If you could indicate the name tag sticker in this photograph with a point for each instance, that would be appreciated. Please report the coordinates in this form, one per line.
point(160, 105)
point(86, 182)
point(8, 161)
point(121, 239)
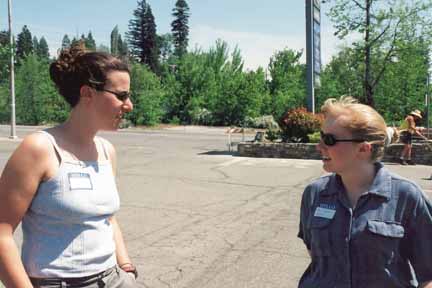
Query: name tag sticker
point(80, 181)
point(325, 212)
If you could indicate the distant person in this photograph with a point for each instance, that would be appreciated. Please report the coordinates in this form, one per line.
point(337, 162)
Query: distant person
point(408, 129)
point(60, 184)
point(362, 225)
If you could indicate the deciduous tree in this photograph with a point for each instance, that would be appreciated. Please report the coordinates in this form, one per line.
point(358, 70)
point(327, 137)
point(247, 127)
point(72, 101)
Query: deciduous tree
point(380, 24)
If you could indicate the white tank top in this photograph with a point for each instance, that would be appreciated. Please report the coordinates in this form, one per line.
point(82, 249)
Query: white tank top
point(66, 232)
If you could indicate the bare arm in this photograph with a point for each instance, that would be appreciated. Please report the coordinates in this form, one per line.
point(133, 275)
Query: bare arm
point(121, 251)
point(18, 184)
point(426, 284)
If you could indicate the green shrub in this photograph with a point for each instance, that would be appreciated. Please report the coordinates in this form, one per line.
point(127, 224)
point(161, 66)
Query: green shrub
point(262, 122)
point(175, 121)
point(314, 137)
point(297, 123)
point(272, 134)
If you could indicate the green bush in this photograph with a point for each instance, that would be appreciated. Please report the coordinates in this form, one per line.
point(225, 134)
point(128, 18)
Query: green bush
point(314, 137)
point(297, 123)
point(272, 134)
point(263, 122)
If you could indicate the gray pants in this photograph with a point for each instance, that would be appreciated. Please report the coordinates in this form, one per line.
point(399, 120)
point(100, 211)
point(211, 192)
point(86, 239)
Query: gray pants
point(111, 278)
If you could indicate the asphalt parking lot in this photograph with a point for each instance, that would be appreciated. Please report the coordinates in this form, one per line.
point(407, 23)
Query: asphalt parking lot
point(196, 215)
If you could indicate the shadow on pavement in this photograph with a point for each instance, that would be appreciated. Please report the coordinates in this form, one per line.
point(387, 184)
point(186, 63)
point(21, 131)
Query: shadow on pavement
point(215, 153)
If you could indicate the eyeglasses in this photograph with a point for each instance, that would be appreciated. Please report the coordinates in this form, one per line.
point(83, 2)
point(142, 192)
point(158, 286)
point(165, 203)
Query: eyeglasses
point(122, 96)
point(330, 139)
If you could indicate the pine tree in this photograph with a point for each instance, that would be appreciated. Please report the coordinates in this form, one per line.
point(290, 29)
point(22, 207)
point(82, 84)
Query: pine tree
point(180, 27)
point(43, 50)
point(4, 38)
point(89, 41)
point(123, 48)
point(115, 41)
point(75, 41)
point(24, 44)
point(35, 44)
point(142, 36)
point(66, 42)
point(150, 45)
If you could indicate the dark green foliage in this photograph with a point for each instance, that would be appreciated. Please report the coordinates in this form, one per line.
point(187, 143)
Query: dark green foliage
point(404, 85)
point(272, 134)
point(211, 88)
point(115, 41)
point(35, 44)
point(118, 47)
point(5, 109)
point(75, 41)
point(342, 76)
point(4, 57)
point(180, 27)
point(123, 48)
point(24, 44)
point(142, 37)
point(165, 44)
point(382, 24)
point(288, 82)
point(147, 96)
point(89, 41)
point(42, 50)
point(401, 89)
point(4, 38)
point(37, 100)
point(66, 42)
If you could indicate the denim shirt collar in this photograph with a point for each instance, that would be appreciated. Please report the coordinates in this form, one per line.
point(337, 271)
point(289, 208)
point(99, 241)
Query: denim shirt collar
point(381, 186)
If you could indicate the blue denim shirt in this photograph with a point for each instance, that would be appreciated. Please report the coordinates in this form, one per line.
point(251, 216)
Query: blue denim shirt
point(385, 242)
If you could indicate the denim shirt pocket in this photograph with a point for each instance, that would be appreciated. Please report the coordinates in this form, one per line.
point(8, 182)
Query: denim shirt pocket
point(320, 236)
point(383, 243)
point(386, 229)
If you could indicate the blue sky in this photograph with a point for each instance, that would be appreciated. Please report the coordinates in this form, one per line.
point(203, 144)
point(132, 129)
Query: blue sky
point(258, 28)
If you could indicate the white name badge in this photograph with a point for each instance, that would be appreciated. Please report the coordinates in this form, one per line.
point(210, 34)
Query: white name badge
point(81, 181)
point(324, 213)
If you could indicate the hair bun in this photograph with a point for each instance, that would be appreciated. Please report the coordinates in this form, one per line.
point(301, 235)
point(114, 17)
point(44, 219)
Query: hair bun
point(66, 63)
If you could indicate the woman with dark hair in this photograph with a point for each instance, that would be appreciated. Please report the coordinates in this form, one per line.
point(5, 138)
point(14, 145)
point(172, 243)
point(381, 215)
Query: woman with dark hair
point(362, 225)
point(60, 184)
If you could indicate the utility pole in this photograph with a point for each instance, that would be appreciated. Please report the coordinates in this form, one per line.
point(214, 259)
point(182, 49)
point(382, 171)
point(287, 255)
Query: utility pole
point(313, 50)
point(428, 93)
point(12, 73)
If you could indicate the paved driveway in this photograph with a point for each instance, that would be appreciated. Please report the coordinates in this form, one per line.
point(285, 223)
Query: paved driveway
point(194, 215)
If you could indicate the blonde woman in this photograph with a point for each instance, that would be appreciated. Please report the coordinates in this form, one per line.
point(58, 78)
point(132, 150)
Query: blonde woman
point(362, 225)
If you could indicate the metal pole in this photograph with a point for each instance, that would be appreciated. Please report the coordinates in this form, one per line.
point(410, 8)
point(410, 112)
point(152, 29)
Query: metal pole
point(310, 56)
point(428, 98)
point(12, 73)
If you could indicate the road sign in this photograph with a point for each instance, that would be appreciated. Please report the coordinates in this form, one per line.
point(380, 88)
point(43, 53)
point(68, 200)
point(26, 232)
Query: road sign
point(313, 49)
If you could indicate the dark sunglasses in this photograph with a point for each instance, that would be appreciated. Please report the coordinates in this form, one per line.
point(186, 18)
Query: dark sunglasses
point(122, 96)
point(330, 140)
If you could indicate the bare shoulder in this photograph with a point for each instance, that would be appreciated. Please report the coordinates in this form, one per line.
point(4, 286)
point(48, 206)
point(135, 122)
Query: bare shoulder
point(35, 153)
point(36, 145)
point(25, 169)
